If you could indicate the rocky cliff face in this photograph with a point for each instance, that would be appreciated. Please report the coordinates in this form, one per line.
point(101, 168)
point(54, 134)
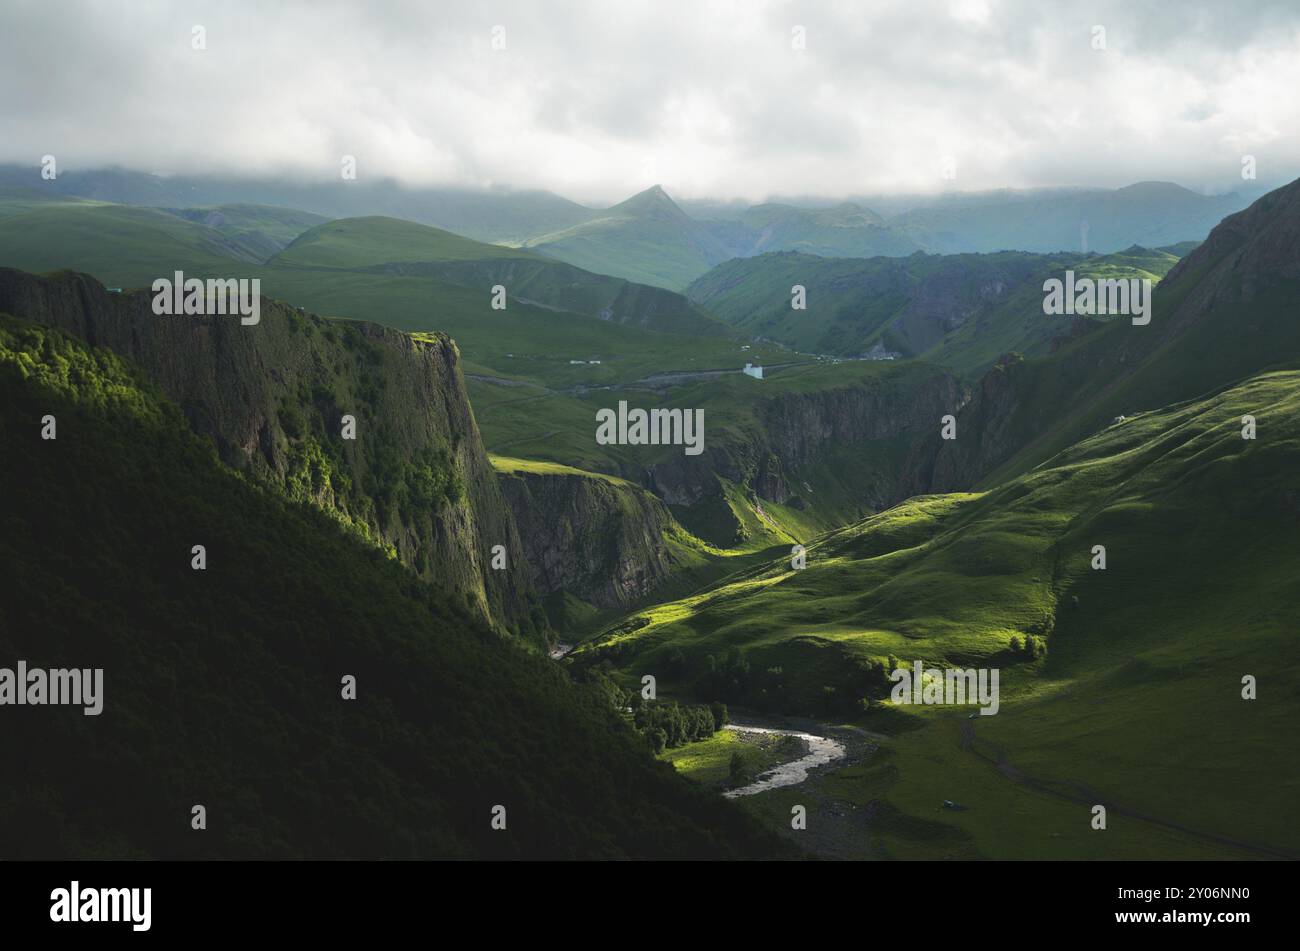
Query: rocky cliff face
point(601, 540)
point(273, 396)
point(863, 432)
point(984, 430)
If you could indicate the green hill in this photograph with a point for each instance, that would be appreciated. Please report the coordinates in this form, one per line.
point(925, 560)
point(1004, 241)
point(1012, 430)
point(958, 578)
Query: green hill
point(15, 200)
point(1132, 698)
point(389, 270)
point(121, 245)
point(404, 248)
point(962, 311)
point(222, 686)
point(354, 243)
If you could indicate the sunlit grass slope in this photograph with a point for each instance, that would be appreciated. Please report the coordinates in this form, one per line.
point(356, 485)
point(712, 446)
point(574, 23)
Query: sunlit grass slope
point(1137, 699)
point(360, 242)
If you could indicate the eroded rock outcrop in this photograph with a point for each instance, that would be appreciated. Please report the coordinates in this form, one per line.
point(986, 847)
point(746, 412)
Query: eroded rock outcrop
point(601, 539)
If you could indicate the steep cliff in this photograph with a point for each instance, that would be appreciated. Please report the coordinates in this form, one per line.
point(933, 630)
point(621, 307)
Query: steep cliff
point(835, 454)
point(599, 538)
point(272, 397)
point(985, 433)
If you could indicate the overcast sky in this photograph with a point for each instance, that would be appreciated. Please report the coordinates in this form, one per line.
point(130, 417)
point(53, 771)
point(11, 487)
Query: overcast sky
point(597, 100)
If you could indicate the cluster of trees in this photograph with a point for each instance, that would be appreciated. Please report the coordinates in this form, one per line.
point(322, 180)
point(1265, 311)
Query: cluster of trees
point(1032, 647)
point(667, 723)
point(731, 677)
point(856, 688)
point(664, 723)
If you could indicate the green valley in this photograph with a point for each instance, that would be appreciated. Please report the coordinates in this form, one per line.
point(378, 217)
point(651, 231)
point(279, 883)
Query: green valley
point(826, 533)
point(1128, 674)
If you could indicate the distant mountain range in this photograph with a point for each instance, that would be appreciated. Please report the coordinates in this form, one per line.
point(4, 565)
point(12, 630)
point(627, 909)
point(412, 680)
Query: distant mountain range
point(1147, 213)
point(127, 245)
point(651, 239)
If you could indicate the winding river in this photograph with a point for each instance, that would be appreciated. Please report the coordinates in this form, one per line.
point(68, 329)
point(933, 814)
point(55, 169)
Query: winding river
point(821, 750)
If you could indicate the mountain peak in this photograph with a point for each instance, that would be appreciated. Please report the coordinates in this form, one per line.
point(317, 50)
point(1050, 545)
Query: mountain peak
point(653, 201)
point(1258, 244)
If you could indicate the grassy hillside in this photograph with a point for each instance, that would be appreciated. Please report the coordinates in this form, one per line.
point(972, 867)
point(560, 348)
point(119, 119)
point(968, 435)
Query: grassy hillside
point(15, 200)
point(810, 447)
point(263, 230)
point(122, 245)
point(1133, 697)
point(404, 248)
point(963, 311)
point(354, 243)
point(222, 687)
point(1018, 324)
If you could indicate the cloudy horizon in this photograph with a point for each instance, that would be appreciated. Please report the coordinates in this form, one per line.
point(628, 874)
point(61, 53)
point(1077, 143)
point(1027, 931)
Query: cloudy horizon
point(722, 100)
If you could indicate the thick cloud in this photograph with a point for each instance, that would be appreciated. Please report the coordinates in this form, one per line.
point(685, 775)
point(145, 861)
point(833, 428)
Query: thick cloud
point(598, 99)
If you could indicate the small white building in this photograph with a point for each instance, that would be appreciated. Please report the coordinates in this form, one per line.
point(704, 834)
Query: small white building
point(751, 370)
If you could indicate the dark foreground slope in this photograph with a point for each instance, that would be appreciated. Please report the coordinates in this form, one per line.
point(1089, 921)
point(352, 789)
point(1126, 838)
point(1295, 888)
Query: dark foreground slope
point(222, 686)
